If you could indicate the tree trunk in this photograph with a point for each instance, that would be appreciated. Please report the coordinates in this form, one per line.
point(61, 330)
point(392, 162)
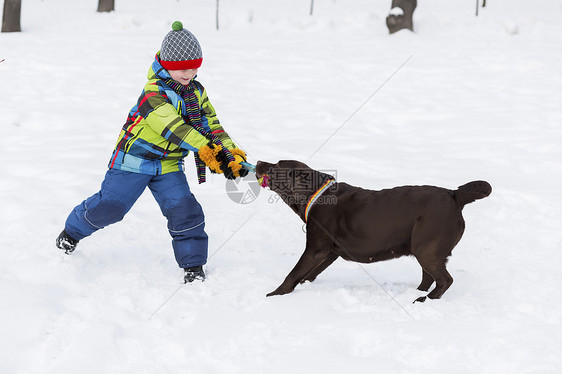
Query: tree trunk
point(106, 5)
point(12, 15)
point(400, 16)
point(478, 5)
point(217, 14)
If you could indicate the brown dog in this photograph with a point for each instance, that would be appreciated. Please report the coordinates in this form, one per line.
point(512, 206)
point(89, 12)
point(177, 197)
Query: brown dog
point(369, 226)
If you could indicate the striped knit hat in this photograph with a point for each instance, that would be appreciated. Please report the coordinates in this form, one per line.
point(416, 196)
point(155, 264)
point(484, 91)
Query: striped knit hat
point(180, 49)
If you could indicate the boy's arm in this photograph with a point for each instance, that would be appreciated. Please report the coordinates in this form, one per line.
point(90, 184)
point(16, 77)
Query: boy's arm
point(163, 119)
point(234, 168)
point(208, 114)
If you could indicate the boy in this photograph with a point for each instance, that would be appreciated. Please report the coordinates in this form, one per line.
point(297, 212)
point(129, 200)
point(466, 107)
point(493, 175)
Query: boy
point(172, 117)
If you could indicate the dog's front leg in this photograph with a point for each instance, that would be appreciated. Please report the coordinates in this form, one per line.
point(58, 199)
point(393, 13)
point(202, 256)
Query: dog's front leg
point(309, 260)
point(330, 258)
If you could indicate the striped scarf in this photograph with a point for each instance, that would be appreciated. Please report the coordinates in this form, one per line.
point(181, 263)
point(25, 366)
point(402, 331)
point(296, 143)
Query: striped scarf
point(193, 117)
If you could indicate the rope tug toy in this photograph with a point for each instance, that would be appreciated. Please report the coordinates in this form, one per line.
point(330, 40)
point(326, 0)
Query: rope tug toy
point(263, 180)
point(248, 166)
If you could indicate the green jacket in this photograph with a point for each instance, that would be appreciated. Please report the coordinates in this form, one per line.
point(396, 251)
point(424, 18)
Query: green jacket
point(157, 135)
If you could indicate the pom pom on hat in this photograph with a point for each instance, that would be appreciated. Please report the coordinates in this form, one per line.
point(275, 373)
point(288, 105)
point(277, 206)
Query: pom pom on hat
point(177, 26)
point(180, 49)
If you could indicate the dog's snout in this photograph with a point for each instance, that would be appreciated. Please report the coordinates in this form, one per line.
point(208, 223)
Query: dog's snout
point(262, 167)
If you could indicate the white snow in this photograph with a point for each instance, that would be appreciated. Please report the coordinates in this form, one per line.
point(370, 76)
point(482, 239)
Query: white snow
point(477, 98)
point(396, 11)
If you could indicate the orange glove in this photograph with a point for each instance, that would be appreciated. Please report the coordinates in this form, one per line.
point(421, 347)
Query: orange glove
point(236, 166)
point(209, 154)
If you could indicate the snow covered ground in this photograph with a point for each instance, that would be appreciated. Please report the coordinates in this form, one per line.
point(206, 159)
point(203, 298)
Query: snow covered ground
point(468, 98)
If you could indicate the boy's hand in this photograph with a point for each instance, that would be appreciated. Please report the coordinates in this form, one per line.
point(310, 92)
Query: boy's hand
point(236, 166)
point(209, 154)
point(232, 169)
point(216, 158)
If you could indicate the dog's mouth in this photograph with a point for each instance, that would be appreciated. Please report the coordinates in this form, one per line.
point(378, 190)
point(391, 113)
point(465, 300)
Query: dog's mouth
point(263, 180)
point(261, 176)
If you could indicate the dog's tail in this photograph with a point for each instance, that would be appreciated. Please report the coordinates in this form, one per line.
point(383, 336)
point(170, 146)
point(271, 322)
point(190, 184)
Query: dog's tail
point(467, 193)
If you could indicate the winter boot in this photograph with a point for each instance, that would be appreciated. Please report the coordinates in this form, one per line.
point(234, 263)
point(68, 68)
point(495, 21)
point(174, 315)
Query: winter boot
point(66, 243)
point(194, 273)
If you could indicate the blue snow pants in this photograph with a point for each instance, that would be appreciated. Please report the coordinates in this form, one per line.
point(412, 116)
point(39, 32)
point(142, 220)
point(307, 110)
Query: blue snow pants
point(121, 189)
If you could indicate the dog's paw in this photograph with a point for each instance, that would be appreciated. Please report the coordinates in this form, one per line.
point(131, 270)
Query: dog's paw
point(276, 292)
point(279, 291)
point(420, 299)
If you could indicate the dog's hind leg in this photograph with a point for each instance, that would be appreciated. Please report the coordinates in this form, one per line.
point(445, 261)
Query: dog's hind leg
point(436, 268)
point(432, 243)
point(426, 282)
point(432, 256)
point(311, 276)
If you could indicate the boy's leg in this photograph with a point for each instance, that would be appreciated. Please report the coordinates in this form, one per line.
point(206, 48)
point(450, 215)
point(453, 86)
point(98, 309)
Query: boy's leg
point(119, 191)
point(186, 222)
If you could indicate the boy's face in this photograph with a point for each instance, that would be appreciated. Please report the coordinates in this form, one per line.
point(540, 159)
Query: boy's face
point(183, 76)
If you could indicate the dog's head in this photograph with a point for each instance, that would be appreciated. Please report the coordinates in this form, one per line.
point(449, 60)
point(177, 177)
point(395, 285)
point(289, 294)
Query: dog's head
point(293, 181)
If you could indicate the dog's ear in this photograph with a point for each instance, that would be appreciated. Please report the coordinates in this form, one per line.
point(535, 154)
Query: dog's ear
point(309, 180)
point(302, 179)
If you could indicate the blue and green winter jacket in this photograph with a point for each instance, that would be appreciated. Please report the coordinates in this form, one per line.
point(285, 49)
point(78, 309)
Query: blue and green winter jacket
point(157, 135)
